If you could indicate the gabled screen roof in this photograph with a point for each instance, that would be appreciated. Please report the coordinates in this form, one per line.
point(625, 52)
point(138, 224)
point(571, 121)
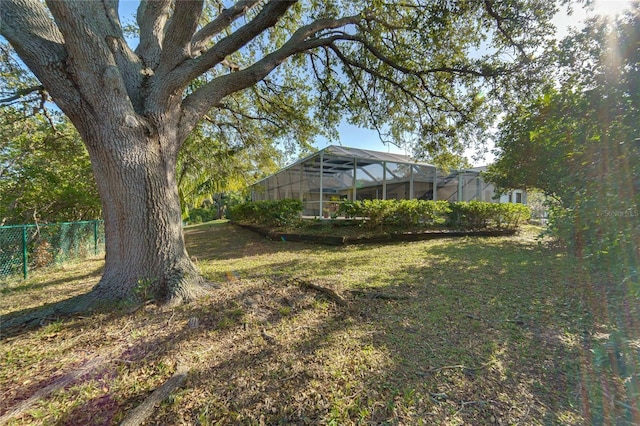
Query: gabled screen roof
point(365, 154)
point(338, 159)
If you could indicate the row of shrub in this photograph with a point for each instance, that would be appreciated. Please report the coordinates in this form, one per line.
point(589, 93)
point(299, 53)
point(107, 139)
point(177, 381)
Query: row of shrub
point(268, 213)
point(392, 213)
point(405, 213)
point(429, 214)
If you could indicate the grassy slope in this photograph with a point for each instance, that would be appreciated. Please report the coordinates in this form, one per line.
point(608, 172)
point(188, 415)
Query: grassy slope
point(477, 331)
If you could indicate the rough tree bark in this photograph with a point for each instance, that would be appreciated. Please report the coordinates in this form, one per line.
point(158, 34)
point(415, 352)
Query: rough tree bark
point(145, 246)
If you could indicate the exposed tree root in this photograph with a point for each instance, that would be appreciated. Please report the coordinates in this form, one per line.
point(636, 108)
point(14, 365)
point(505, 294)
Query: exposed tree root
point(60, 383)
point(337, 297)
point(142, 412)
point(377, 295)
point(332, 294)
point(189, 290)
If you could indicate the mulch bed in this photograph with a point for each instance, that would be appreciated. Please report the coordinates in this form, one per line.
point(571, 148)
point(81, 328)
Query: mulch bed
point(341, 240)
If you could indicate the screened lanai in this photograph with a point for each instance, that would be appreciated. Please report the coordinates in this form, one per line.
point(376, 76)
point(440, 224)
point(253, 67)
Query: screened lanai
point(338, 173)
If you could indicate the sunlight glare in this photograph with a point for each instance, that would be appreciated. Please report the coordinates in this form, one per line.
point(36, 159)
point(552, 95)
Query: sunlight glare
point(610, 8)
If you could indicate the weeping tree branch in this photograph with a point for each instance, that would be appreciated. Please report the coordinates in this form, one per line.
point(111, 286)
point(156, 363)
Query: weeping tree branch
point(241, 114)
point(371, 71)
point(410, 95)
point(349, 65)
point(462, 70)
point(326, 64)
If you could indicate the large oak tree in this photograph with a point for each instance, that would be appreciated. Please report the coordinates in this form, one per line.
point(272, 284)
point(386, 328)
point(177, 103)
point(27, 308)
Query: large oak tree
point(408, 68)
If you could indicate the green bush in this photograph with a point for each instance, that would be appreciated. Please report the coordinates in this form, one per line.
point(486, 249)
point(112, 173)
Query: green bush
point(376, 214)
point(479, 214)
point(202, 215)
point(423, 213)
point(230, 199)
point(513, 215)
point(350, 209)
point(268, 213)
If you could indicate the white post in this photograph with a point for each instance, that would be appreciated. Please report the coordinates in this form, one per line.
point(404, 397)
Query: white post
point(411, 183)
point(321, 187)
point(300, 183)
point(384, 180)
point(435, 184)
point(355, 171)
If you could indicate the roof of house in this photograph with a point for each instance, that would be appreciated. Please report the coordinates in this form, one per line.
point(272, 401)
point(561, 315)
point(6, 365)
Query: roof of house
point(365, 154)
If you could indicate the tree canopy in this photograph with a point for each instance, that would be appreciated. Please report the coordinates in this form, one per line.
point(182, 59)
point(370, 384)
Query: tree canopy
point(407, 69)
point(45, 172)
point(579, 141)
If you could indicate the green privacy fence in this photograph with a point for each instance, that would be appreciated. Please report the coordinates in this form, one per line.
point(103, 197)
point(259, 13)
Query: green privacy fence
point(27, 247)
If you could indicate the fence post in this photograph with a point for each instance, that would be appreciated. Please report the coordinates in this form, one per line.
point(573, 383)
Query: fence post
point(95, 237)
point(24, 252)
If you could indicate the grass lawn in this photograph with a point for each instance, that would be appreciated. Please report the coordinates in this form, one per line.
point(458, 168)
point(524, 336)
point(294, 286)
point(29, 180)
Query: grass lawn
point(445, 332)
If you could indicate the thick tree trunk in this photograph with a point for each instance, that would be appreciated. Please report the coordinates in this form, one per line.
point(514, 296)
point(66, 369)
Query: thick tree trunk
point(145, 251)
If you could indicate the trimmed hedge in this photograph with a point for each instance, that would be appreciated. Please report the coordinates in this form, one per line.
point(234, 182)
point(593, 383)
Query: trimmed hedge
point(403, 213)
point(270, 213)
point(427, 214)
point(479, 214)
point(393, 213)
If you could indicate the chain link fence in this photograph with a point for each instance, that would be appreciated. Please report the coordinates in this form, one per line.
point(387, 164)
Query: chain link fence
point(24, 248)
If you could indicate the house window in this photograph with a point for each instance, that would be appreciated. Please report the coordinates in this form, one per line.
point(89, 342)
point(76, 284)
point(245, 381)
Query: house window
point(519, 197)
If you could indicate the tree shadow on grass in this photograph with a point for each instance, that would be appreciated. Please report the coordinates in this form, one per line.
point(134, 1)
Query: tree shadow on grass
point(476, 337)
point(225, 241)
point(96, 272)
point(495, 320)
point(231, 349)
point(487, 333)
point(219, 240)
point(24, 320)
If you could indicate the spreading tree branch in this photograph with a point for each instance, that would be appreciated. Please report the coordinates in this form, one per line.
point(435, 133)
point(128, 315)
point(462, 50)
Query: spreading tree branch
point(222, 21)
point(34, 36)
point(152, 17)
point(198, 103)
point(180, 28)
point(98, 65)
point(266, 18)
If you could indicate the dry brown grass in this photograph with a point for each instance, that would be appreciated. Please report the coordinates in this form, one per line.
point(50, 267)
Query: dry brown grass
point(468, 331)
